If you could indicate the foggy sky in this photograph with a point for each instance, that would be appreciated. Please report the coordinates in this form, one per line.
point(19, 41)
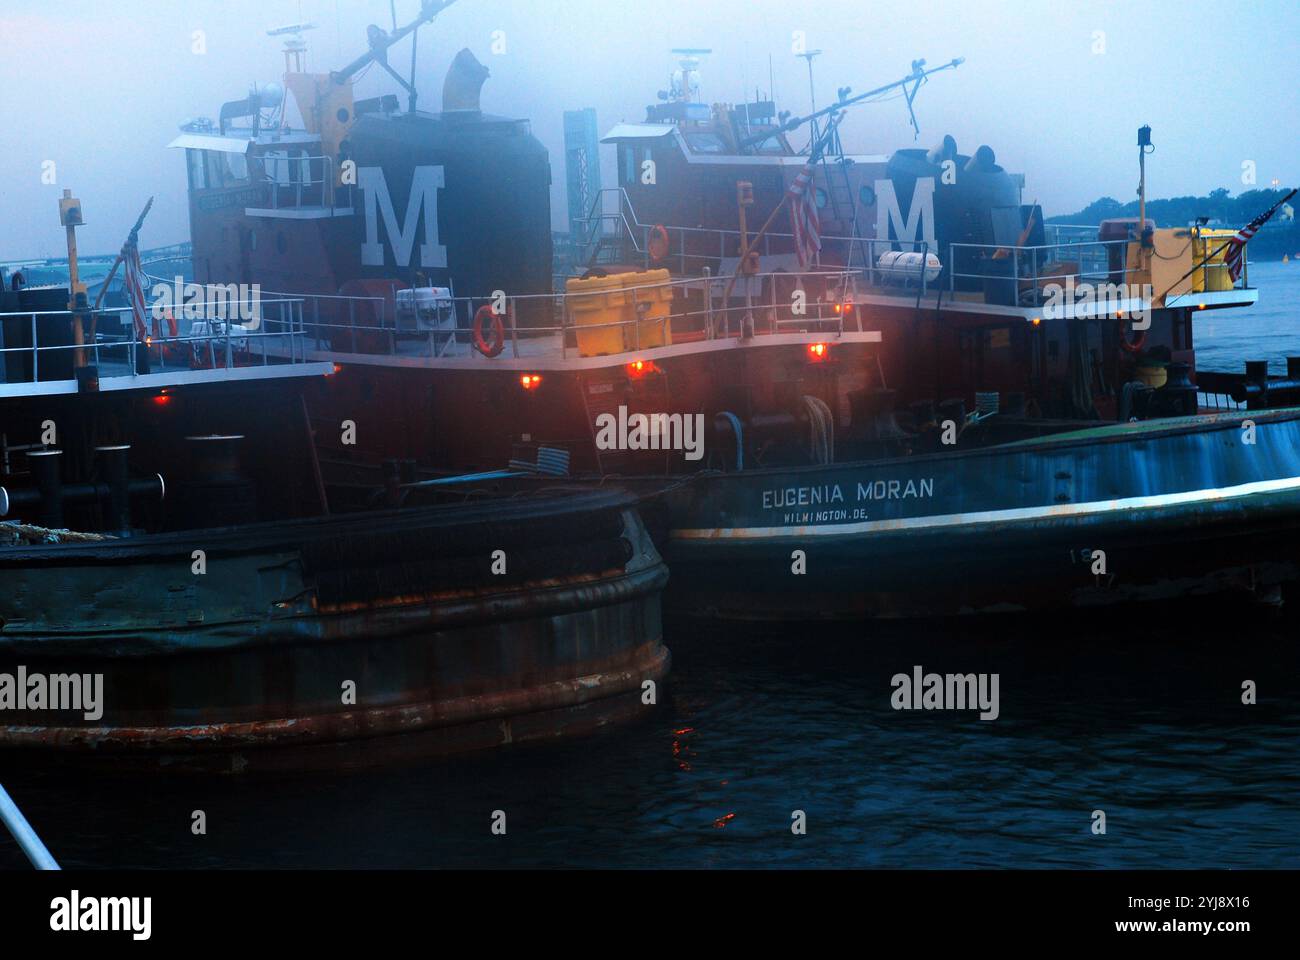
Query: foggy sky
point(100, 88)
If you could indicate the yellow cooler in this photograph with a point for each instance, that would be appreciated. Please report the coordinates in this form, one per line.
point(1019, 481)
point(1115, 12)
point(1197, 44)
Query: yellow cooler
point(599, 300)
point(1214, 275)
point(649, 287)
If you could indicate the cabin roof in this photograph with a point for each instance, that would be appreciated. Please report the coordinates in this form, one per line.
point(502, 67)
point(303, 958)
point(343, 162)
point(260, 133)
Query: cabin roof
point(638, 131)
point(232, 142)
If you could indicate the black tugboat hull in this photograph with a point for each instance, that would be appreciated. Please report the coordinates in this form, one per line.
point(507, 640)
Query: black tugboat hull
point(1114, 515)
point(249, 665)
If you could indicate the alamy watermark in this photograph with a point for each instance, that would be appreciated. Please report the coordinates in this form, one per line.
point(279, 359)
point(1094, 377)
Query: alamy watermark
point(55, 691)
point(951, 691)
point(1070, 300)
point(651, 431)
point(75, 913)
point(212, 301)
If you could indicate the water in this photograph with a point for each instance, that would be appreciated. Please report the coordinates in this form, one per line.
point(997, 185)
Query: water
point(1226, 339)
point(1142, 719)
point(1132, 714)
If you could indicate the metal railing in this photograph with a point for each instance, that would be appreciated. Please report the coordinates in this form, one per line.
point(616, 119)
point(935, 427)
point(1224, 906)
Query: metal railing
point(1011, 275)
point(1022, 275)
point(215, 340)
point(699, 247)
point(690, 311)
point(291, 193)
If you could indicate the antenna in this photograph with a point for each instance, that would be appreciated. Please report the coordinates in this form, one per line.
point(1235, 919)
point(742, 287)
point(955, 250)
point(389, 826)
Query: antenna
point(684, 84)
point(809, 55)
point(295, 48)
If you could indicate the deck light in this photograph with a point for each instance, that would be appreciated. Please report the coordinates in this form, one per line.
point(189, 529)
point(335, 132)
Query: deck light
point(640, 368)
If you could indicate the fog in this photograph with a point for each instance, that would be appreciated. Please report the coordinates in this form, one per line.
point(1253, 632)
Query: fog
point(1058, 89)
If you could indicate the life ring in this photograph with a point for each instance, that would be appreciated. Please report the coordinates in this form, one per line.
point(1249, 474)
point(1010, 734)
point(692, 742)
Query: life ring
point(657, 244)
point(1134, 347)
point(498, 342)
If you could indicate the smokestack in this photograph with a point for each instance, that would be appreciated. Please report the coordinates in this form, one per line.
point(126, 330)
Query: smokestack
point(464, 83)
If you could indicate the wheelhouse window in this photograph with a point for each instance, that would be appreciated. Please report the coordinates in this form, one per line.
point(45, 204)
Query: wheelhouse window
point(771, 146)
point(194, 162)
point(286, 167)
point(705, 143)
point(216, 168)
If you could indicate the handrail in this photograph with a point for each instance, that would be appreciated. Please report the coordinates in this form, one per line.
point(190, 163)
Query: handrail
point(22, 831)
point(327, 182)
point(1072, 242)
point(820, 313)
point(226, 336)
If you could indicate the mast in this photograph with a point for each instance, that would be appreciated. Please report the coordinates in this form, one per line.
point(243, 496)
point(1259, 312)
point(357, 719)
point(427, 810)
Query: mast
point(915, 79)
point(812, 94)
point(381, 42)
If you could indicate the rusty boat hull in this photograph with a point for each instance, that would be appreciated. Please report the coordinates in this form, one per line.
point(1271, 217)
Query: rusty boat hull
point(342, 641)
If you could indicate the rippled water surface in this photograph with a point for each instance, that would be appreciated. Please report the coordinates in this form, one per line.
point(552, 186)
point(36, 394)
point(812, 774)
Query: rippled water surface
point(1141, 719)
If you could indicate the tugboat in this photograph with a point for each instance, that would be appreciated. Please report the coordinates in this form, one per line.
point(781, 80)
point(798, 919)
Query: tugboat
point(883, 352)
point(451, 348)
point(176, 588)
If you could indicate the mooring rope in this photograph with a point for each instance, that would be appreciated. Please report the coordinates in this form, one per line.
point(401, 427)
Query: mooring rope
point(821, 425)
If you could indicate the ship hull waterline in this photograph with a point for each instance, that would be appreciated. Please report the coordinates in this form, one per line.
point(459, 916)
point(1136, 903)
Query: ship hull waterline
point(1112, 515)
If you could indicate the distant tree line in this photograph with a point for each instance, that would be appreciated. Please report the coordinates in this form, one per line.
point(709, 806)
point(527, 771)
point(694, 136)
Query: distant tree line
point(1280, 235)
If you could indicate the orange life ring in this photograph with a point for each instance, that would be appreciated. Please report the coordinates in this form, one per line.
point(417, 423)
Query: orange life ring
point(657, 244)
point(1134, 347)
point(481, 343)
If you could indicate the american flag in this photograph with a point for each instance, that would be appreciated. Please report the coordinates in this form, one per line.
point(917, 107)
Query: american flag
point(805, 223)
point(133, 285)
point(1235, 254)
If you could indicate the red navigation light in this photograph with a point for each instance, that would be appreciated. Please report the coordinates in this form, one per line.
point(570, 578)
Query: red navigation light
point(818, 351)
point(639, 368)
point(530, 381)
point(162, 400)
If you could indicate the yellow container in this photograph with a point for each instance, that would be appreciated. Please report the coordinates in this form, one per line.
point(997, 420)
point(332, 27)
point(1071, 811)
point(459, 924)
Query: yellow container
point(599, 300)
point(1214, 275)
point(649, 287)
point(1153, 376)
